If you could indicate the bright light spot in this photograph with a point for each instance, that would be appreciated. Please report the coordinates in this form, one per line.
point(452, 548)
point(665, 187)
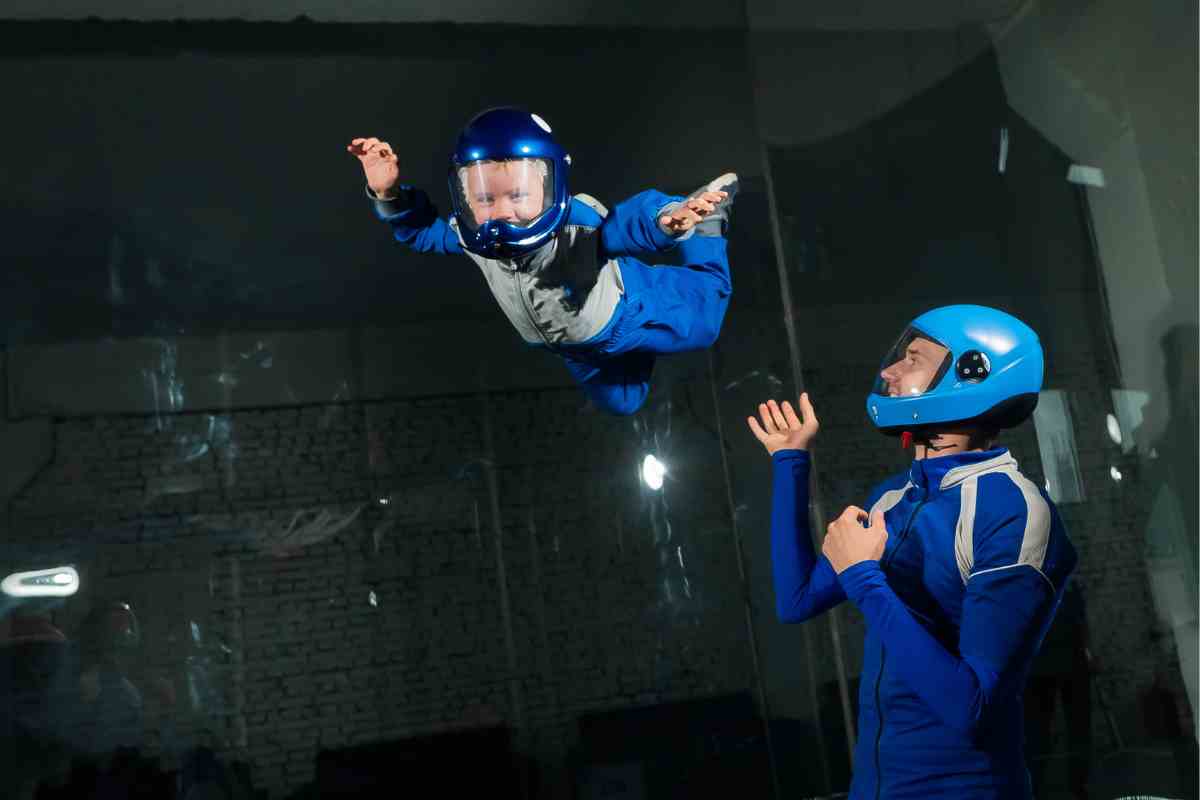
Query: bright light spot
point(653, 472)
point(1085, 175)
point(524, 148)
point(372, 599)
point(1116, 474)
point(996, 341)
point(1114, 429)
point(541, 123)
point(383, 501)
point(56, 582)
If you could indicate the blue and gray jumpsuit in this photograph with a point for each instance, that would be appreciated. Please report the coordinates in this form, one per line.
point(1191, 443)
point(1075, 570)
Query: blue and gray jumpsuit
point(586, 294)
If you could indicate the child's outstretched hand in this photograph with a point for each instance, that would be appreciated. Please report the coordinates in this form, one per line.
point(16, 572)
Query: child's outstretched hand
point(379, 163)
point(691, 212)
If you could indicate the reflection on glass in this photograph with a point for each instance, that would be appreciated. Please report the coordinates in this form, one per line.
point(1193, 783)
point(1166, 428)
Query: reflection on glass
point(1114, 429)
point(55, 582)
point(1056, 444)
point(653, 472)
point(1129, 408)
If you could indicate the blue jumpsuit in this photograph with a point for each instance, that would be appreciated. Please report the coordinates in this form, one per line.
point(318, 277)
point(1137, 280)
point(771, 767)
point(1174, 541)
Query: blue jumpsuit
point(588, 296)
point(975, 566)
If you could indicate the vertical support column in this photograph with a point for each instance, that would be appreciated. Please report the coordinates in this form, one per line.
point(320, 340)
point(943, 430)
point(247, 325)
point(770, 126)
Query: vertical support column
point(237, 646)
point(516, 709)
point(743, 586)
point(816, 509)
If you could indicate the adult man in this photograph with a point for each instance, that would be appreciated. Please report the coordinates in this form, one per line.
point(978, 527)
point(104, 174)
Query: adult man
point(958, 571)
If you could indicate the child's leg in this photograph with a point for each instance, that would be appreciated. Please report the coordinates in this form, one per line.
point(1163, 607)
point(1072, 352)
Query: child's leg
point(669, 309)
point(616, 385)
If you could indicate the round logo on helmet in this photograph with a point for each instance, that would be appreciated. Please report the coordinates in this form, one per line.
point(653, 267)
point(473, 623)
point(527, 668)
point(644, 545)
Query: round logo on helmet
point(973, 366)
point(541, 123)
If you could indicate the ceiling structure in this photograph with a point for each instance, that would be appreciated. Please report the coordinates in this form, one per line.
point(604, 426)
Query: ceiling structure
point(759, 15)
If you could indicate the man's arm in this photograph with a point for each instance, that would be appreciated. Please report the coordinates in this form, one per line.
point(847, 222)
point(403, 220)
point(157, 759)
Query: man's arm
point(805, 585)
point(415, 223)
point(1008, 605)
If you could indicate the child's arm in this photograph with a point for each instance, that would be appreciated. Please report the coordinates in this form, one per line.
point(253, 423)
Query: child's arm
point(653, 222)
point(413, 218)
point(415, 222)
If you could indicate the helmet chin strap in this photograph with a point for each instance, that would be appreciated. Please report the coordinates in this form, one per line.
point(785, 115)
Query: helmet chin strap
point(908, 439)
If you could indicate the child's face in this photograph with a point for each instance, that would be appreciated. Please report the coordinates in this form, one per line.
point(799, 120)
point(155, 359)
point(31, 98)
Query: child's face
point(508, 191)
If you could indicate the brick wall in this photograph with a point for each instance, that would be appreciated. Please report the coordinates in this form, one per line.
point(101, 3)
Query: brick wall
point(353, 562)
point(350, 556)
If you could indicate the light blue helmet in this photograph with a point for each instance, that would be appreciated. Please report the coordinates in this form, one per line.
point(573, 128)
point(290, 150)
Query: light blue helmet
point(958, 364)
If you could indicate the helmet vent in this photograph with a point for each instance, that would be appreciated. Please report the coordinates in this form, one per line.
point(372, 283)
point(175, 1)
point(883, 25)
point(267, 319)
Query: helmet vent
point(972, 367)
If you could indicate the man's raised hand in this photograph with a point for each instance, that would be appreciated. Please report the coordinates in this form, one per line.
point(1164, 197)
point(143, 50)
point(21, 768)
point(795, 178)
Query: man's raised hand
point(781, 428)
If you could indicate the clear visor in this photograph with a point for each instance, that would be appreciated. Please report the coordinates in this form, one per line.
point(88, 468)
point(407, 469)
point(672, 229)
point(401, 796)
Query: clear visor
point(914, 366)
point(517, 191)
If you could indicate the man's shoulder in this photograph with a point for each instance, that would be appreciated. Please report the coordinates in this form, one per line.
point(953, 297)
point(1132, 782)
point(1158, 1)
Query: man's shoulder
point(888, 491)
point(1003, 492)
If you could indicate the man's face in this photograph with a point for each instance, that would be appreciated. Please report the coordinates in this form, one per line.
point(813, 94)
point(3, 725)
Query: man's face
point(912, 374)
point(507, 191)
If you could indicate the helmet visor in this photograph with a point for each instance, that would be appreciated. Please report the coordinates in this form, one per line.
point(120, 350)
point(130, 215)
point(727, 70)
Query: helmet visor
point(516, 191)
point(914, 366)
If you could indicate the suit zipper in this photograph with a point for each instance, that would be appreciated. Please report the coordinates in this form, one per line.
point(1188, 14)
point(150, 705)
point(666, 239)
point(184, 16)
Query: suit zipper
point(528, 310)
point(883, 653)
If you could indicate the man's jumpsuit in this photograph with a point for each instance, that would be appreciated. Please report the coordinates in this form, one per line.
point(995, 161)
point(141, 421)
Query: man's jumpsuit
point(975, 566)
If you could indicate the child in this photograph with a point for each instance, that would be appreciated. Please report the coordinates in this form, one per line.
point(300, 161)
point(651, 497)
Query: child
point(564, 270)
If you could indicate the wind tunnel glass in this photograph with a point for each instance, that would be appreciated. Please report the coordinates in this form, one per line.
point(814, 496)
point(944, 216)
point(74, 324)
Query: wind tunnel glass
point(913, 366)
point(517, 191)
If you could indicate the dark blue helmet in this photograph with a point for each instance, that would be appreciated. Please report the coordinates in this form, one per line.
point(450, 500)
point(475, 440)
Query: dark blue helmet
point(508, 183)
